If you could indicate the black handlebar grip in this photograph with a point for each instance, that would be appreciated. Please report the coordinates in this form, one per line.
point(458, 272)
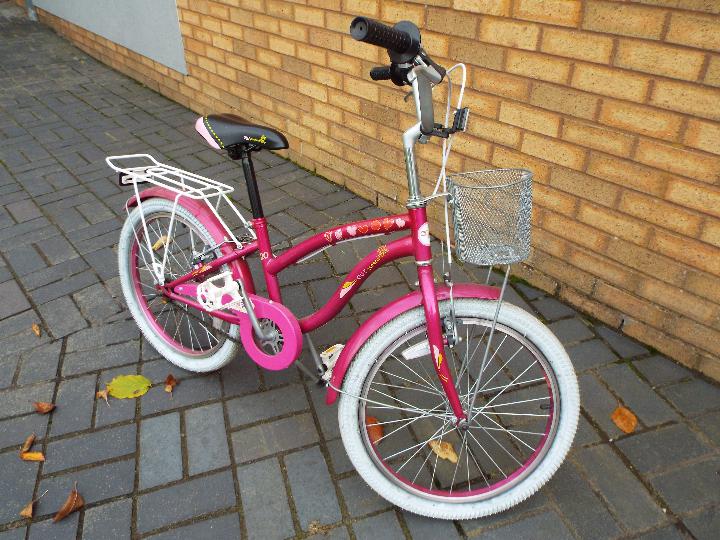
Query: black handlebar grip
point(381, 73)
point(377, 33)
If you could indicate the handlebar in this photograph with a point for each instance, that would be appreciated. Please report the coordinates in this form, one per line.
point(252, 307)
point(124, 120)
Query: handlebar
point(381, 73)
point(377, 33)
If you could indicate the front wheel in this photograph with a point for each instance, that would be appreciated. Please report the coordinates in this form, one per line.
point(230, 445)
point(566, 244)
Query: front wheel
point(522, 404)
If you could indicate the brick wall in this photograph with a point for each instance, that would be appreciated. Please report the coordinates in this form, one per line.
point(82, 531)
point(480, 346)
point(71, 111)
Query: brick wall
point(614, 105)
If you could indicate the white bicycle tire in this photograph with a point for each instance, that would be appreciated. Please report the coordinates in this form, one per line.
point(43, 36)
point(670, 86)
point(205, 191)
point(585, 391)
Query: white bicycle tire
point(196, 364)
point(540, 336)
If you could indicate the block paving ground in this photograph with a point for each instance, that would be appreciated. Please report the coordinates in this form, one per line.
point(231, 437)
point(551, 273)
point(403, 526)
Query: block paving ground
point(242, 452)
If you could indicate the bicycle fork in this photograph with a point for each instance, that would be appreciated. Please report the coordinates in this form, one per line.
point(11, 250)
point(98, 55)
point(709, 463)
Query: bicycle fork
point(423, 260)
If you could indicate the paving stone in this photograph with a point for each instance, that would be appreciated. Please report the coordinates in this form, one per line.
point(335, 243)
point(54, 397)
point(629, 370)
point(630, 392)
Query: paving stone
point(95, 484)
point(693, 397)
point(278, 436)
point(598, 402)
point(57, 250)
point(709, 424)
point(660, 370)
point(103, 261)
point(53, 274)
point(359, 498)
point(552, 309)
point(628, 499)
point(89, 448)
point(571, 330)
point(226, 527)
point(67, 286)
point(96, 303)
point(590, 354)
point(423, 527)
point(39, 364)
point(265, 405)
point(265, 506)
point(17, 487)
point(705, 526)
point(105, 357)
point(663, 448)
point(574, 496)
point(312, 488)
point(75, 400)
point(339, 459)
point(7, 370)
point(644, 402)
point(381, 527)
point(532, 505)
point(62, 317)
point(666, 533)
point(101, 336)
point(13, 534)
point(19, 400)
point(198, 390)
point(25, 260)
point(206, 439)
point(160, 450)
point(24, 210)
point(240, 376)
point(585, 433)
point(184, 501)
point(14, 300)
point(338, 533)
point(623, 345)
point(111, 520)
point(547, 524)
point(49, 530)
point(14, 431)
point(327, 415)
point(690, 487)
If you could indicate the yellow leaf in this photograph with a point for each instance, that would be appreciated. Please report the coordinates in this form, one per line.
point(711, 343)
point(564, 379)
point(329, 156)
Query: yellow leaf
point(27, 511)
point(444, 450)
point(36, 329)
point(624, 419)
point(160, 242)
point(32, 456)
point(128, 386)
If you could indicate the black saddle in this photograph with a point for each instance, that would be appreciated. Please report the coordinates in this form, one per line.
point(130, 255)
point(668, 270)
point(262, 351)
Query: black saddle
point(223, 131)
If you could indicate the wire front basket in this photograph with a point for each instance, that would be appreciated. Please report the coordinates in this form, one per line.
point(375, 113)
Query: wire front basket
point(491, 215)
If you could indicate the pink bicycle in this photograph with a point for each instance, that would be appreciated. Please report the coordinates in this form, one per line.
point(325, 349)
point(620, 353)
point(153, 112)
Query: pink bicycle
point(453, 404)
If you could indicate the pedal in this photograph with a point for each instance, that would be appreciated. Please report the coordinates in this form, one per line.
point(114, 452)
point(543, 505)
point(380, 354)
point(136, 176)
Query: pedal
point(329, 358)
point(220, 292)
point(460, 119)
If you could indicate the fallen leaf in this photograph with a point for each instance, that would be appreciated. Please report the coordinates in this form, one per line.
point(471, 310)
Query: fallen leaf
point(160, 242)
point(36, 329)
point(102, 394)
point(27, 511)
point(128, 386)
point(374, 429)
point(32, 456)
point(72, 503)
point(444, 450)
point(27, 445)
point(43, 407)
point(315, 527)
point(624, 419)
point(170, 383)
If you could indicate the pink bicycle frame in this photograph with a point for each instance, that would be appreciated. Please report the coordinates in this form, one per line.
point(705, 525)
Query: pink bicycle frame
point(416, 244)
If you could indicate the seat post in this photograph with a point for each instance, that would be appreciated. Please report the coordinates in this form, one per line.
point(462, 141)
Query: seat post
point(251, 183)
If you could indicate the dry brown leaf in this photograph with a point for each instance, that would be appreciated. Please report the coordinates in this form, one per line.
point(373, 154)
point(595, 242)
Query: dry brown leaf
point(32, 456)
point(624, 419)
point(444, 450)
point(170, 383)
point(102, 394)
point(43, 407)
point(160, 242)
point(36, 329)
point(374, 429)
point(28, 509)
point(73, 502)
point(315, 527)
point(27, 445)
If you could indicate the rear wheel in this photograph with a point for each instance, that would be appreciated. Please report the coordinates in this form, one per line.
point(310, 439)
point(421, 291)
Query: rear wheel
point(185, 336)
point(522, 408)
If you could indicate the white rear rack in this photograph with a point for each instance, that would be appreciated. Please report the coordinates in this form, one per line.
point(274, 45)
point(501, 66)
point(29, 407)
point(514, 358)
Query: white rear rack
point(143, 168)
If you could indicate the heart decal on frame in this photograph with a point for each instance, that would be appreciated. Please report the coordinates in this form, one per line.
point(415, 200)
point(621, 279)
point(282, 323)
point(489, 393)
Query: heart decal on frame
point(351, 229)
